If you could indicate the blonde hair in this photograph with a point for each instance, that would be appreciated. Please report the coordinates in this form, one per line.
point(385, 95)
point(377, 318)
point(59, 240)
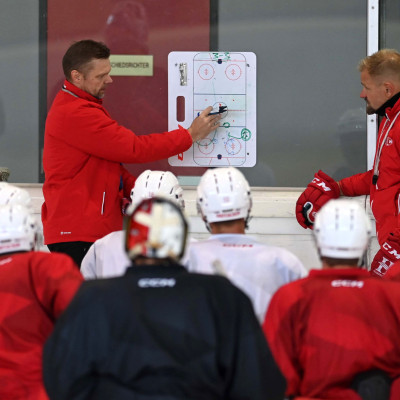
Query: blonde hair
point(383, 63)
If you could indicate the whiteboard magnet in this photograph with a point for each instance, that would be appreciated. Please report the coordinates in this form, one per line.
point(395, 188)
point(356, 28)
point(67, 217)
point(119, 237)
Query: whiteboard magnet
point(183, 74)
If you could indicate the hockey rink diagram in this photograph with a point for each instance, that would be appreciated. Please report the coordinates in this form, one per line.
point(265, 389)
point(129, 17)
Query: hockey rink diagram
point(216, 79)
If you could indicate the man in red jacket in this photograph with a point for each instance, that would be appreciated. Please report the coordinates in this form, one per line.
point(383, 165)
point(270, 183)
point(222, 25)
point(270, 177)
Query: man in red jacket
point(83, 151)
point(334, 334)
point(380, 78)
point(35, 288)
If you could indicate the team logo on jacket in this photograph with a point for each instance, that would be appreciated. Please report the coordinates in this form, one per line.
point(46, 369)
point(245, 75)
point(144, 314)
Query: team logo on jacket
point(389, 141)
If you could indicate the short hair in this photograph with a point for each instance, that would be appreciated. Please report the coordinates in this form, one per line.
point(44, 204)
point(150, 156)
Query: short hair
point(80, 54)
point(385, 62)
point(230, 222)
point(332, 262)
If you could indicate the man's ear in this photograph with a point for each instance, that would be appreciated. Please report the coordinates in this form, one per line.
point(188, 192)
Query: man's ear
point(390, 89)
point(76, 77)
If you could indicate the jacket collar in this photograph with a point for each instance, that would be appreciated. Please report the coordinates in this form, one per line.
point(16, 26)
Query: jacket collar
point(75, 91)
point(144, 270)
point(387, 107)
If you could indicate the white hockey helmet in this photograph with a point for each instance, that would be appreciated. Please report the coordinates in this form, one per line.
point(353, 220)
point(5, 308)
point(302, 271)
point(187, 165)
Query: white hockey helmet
point(156, 228)
point(223, 194)
point(18, 229)
point(157, 183)
point(342, 229)
point(10, 194)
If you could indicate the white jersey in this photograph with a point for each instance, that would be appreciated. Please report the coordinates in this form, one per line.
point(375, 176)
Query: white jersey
point(106, 257)
point(256, 268)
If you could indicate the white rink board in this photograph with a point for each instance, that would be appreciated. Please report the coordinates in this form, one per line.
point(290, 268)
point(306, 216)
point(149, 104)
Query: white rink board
point(215, 79)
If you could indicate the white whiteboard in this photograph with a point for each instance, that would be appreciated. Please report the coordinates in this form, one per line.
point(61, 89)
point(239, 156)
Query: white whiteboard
point(203, 79)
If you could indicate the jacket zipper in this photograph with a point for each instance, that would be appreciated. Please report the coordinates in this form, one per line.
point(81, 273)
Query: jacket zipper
point(103, 202)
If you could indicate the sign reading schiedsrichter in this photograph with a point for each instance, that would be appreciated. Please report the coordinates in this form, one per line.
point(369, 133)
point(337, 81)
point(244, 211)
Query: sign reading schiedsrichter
point(131, 65)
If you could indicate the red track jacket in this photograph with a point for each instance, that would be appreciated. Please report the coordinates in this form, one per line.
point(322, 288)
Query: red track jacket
point(83, 152)
point(384, 196)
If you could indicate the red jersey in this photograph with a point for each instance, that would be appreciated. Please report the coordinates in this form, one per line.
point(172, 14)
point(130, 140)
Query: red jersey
point(325, 329)
point(35, 288)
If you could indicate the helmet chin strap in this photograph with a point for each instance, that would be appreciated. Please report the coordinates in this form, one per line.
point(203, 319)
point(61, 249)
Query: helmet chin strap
point(207, 224)
point(361, 261)
point(247, 221)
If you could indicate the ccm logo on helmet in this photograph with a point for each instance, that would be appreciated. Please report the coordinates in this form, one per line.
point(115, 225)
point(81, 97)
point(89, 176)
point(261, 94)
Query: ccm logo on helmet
point(347, 283)
point(156, 282)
